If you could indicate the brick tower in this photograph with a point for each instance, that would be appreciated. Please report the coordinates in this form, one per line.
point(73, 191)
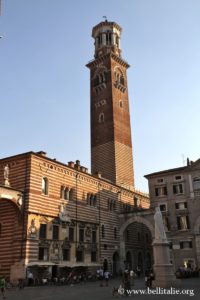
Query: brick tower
point(111, 146)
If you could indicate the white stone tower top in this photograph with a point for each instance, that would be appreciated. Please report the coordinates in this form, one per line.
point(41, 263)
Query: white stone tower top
point(107, 38)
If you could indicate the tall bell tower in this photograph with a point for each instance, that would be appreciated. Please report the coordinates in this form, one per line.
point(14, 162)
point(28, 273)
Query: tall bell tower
point(111, 146)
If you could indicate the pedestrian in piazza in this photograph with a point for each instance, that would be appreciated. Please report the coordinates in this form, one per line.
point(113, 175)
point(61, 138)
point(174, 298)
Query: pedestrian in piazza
point(3, 286)
point(106, 276)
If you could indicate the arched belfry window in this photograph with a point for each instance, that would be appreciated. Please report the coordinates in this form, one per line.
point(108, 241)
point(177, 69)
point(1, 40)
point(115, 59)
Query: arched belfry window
point(119, 80)
point(45, 185)
point(101, 118)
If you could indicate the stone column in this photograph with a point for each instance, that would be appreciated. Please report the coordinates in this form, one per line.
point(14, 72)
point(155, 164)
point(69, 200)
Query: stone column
point(103, 39)
point(163, 269)
point(122, 254)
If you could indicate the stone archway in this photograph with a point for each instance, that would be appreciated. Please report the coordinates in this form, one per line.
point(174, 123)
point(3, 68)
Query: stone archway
point(130, 221)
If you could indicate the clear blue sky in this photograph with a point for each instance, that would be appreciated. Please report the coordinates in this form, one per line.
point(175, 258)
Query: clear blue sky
point(44, 84)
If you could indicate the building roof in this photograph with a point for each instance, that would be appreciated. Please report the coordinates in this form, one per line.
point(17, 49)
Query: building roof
point(190, 165)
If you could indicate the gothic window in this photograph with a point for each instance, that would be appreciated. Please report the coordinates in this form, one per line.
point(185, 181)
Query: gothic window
point(45, 186)
point(62, 189)
point(71, 194)
point(111, 205)
point(91, 199)
point(67, 194)
point(119, 77)
point(100, 78)
point(101, 118)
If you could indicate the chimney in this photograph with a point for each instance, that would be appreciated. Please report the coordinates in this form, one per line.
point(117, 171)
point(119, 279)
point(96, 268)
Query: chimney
point(42, 153)
point(83, 169)
point(77, 165)
point(71, 164)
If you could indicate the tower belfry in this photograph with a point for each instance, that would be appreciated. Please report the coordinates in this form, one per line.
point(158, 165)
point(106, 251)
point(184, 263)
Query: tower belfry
point(111, 146)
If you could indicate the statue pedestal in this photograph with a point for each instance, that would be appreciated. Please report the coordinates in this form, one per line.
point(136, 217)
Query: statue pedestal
point(6, 182)
point(163, 269)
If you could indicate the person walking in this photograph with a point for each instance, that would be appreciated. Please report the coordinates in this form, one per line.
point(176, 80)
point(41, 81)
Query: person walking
point(3, 286)
point(106, 276)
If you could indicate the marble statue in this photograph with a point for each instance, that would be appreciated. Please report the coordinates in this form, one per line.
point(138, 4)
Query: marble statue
point(159, 226)
point(6, 172)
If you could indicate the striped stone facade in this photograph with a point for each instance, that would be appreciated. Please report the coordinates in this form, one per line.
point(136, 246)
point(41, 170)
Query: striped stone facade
point(90, 204)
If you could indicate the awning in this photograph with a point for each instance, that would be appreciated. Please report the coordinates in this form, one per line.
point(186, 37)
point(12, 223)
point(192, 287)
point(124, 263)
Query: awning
point(77, 265)
point(40, 263)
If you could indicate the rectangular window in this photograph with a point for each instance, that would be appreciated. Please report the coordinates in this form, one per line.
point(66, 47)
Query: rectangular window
point(178, 188)
point(178, 177)
point(160, 180)
point(163, 207)
point(81, 235)
point(43, 231)
point(43, 254)
point(79, 255)
point(55, 232)
point(71, 234)
point(181, 205)
point(166, 223)
point(94, 236)
point(66, 254)
point(183, 222)
point(161, 191)
point(93, 256)
point(186, 245)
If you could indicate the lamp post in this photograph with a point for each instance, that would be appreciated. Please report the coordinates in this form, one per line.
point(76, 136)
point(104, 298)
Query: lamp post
point(99, 192)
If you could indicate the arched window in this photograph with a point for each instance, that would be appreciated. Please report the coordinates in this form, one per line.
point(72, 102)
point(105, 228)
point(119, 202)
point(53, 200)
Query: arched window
point(45, 185)
point(120, 103)
point(62, 192)
point(101, 118)
point(71, 194)
point(67, 194)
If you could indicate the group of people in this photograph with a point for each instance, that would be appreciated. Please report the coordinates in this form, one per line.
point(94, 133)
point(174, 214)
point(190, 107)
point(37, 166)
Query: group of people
point(103, 275)
point(149, 277)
